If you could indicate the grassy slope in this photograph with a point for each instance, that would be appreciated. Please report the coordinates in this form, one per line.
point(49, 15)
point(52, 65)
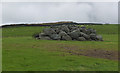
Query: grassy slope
point(22, 52)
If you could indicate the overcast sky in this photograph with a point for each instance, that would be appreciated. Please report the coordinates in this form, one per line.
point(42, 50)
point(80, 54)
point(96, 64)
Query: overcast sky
point(29, 12)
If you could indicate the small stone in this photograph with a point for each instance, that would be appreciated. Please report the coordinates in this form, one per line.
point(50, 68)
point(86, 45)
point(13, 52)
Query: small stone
point(99, 37)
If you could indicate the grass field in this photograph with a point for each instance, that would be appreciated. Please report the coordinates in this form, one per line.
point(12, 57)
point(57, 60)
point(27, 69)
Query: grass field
point(21, 52)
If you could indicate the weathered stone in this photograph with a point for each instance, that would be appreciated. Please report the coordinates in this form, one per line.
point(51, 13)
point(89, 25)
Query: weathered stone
point(55, 37)
point(48, 31)
point(81, 39)
point(83, 30)
point(73, 28)
point(93, 36)
point(57, 30)
point(75, 34)
point(87, 37)
point(62, 33)
point(42, 34)
point(65, 28)
point(99, 37)
point(70, 26)
point(64, 36)
point(67, 37)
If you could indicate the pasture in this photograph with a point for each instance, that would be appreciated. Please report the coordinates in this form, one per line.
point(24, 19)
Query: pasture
point(22, 52)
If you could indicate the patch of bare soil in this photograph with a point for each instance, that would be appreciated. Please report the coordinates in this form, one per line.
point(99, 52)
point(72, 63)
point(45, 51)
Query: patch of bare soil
point(97, 53)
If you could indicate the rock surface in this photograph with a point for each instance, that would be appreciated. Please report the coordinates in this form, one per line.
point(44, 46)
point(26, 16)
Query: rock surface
point(69, 32)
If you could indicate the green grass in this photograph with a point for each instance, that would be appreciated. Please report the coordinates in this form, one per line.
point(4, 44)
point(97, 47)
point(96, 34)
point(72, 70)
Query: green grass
point(29, 31)
point(21, 52)
point(21, 31)
point(105, 29)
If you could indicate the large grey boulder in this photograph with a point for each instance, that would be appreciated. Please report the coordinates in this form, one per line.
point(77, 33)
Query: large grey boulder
point(65, 28)
point(75, 34)
point(62, 33)
point(87, 37)
point(83, 30)
point(42, 34)
point(55, 36)
point(64, 36)
point(67, 37)
point(93, 36)
point(48, 31)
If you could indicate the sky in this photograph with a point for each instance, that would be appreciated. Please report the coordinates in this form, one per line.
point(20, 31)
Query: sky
point(42, 12)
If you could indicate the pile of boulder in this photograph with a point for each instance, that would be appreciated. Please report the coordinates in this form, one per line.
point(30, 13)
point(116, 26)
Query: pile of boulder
point(69, 32)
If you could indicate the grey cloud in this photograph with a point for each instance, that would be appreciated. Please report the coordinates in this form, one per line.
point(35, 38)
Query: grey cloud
point(54, 11)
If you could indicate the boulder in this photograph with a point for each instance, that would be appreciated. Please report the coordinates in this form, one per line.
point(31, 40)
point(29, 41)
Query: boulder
point(65, 28)
point(62, 33)
point(48, 31)
point(67, 37)
point(83, 30)
point(64, 36)
point(81, 39)
point(75, 34)
point(55, 36)
point(93, 36)
point(73, 28)
point(87, 37)
point(70, 26)
point(42, 34)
